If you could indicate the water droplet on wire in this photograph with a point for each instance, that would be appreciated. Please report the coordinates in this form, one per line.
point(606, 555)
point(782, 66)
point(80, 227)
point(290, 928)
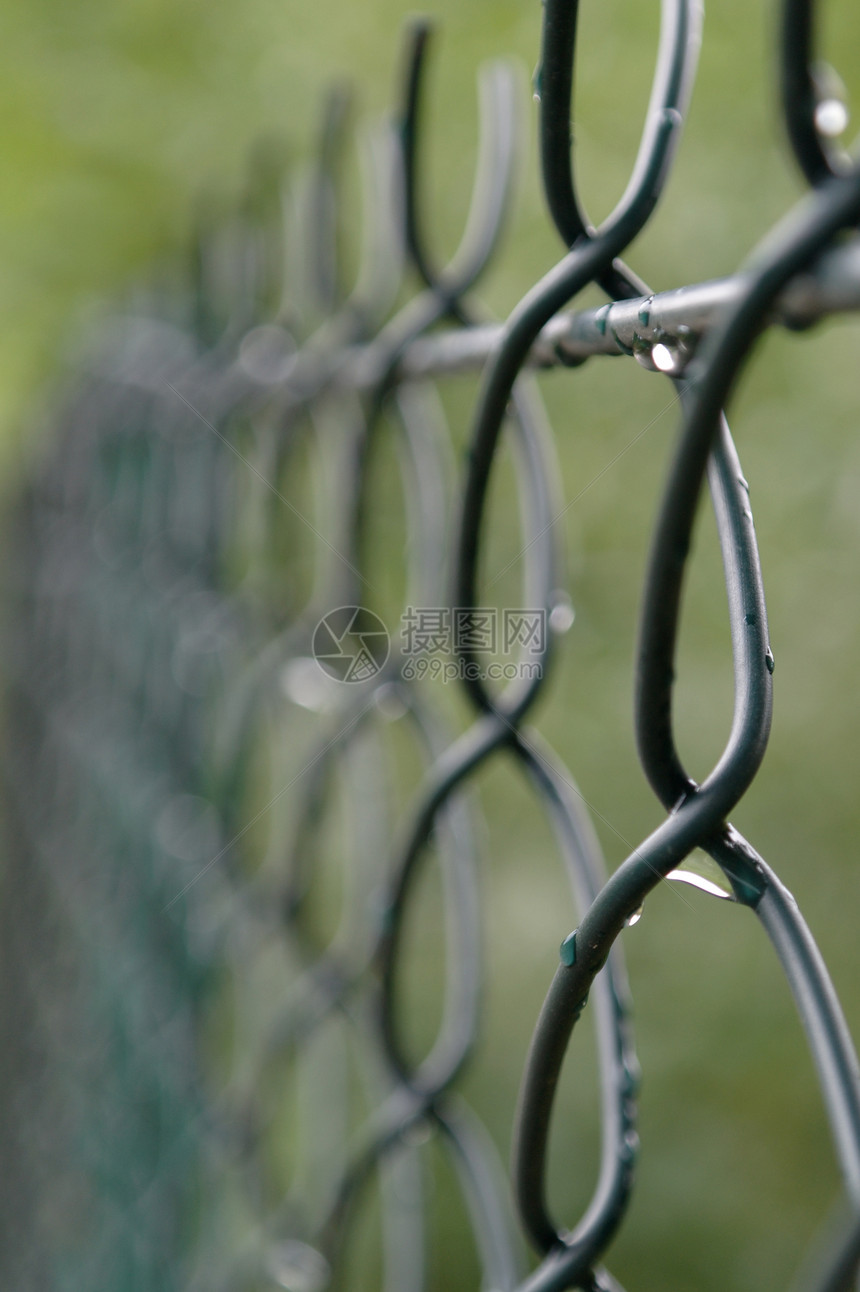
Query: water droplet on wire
point(702, 872)
point(660, 357)
point(298, 1267)
point(304, 682)
point(562, 615)
point(663, 358)
point(831, 118)
point(389, 702)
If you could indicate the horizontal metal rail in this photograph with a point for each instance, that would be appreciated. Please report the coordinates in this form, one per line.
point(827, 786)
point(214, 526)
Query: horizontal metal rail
point(677, 319)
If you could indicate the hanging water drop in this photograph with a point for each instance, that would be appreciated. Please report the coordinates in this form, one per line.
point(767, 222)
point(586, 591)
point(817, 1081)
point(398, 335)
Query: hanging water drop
point(389, 702)
point(831, 118)
point(633, 919)
point(562, 615)
point(663, 358)
point(303, 682)
point(297, 1267)
point(659, 357)
point(642, 354)
point(702, 872)
point(831, 114)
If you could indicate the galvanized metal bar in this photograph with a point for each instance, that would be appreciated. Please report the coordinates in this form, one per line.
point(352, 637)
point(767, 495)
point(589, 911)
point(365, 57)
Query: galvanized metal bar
point(677, 319)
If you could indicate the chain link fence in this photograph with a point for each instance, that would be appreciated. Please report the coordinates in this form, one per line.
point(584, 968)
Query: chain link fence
point(238, 788)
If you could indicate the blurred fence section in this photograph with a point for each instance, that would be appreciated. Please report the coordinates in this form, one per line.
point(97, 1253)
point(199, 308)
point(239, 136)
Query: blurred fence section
point(235, 790)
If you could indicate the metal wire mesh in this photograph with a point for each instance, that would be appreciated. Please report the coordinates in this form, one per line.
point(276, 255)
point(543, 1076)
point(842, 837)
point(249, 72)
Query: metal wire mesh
point(211, 877)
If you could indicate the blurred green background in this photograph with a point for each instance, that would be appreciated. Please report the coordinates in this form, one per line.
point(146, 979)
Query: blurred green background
point(115, 118)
